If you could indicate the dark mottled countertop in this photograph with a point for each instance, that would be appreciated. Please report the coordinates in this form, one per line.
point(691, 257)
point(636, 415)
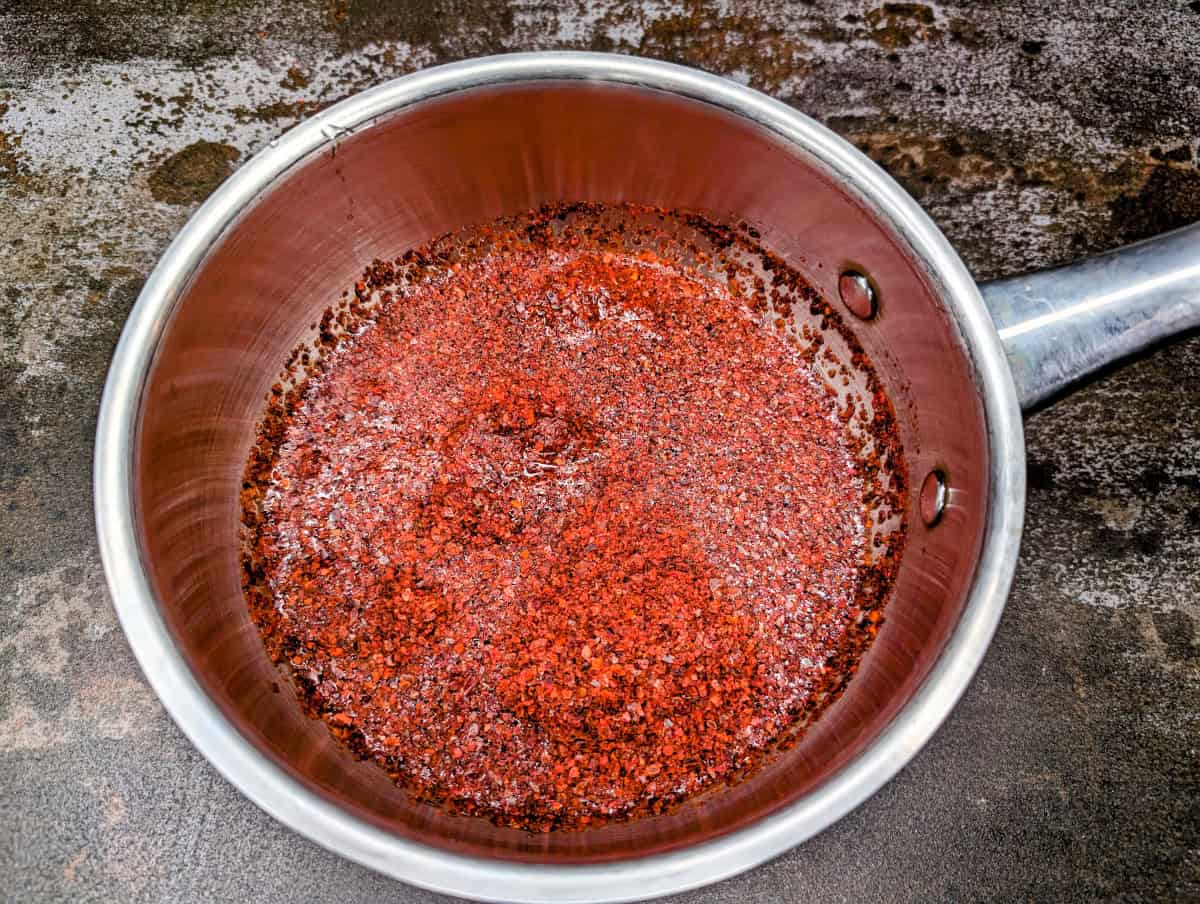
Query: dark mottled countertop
point(1032, 132)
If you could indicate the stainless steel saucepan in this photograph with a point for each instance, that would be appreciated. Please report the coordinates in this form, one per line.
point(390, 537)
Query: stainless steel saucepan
point(398, 164)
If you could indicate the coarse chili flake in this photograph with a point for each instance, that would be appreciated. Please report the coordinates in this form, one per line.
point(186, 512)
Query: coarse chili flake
point(564, 523)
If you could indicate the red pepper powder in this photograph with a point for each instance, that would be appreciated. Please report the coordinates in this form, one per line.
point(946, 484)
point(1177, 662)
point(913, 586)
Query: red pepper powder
point(560, 521)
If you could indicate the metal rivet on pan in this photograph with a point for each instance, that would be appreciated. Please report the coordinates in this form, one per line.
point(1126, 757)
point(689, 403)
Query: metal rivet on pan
point(857, 294)
point(932, 501)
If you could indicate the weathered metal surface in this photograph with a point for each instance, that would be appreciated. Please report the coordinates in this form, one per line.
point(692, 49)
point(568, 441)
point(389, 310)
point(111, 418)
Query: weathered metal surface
point(1033, 133)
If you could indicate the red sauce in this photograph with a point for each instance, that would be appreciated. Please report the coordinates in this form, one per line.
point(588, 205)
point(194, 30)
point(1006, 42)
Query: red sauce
point(563, 531)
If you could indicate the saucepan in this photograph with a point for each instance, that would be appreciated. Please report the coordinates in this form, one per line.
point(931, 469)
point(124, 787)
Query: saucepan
point(414, 158)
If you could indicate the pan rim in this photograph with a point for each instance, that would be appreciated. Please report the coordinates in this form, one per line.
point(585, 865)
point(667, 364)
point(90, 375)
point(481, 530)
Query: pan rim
point(322, 821)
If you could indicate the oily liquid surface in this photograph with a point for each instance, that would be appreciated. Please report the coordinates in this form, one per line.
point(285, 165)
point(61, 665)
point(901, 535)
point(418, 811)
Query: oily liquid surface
point(563, 533)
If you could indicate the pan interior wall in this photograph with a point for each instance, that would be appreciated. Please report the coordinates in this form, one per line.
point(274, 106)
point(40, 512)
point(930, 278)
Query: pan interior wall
point(469, 158)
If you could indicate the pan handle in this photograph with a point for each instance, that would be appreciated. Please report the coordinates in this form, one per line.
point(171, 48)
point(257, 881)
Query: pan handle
point(1060, 325)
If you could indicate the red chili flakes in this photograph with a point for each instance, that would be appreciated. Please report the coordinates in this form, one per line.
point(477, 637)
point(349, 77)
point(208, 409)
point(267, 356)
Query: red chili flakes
point(561, 532)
